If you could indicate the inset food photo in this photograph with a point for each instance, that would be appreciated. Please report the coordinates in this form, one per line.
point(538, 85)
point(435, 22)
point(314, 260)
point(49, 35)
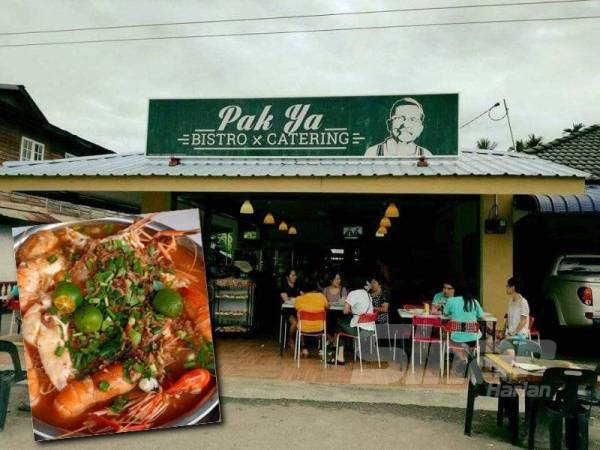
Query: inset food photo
point(116, 325)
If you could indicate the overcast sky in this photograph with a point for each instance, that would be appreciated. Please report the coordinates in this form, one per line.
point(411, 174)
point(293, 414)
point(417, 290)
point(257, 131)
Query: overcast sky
point(548, 72)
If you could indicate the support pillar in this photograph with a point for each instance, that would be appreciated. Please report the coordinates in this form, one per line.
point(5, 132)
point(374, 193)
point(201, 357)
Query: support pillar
point(496, 260)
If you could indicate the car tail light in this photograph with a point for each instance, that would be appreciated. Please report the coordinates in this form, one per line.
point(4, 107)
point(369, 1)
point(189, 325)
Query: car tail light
point(586, 296)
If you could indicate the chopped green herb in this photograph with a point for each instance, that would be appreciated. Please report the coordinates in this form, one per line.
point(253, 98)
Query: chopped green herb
point(52, 259)
point(104, 386)
point(189, 364)
point(135, 337)
point(126, 367)
point(59, 351)
point(206, 356)
point(119, 404)
point(181, 334)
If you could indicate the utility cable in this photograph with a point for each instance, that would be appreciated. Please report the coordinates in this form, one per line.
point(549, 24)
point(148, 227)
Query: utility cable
point(315, 30)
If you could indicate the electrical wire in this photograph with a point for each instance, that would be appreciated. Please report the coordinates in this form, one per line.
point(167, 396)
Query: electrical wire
point(299, 16)
point(480, 115)
point(316, 30)
point(495, 119)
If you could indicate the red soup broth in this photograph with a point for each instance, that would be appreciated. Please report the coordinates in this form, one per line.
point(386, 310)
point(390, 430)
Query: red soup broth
point(185, 260)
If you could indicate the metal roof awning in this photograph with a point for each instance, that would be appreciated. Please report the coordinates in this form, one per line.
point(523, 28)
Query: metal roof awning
point(469, 163)
point(477, 172)
point(588, 203)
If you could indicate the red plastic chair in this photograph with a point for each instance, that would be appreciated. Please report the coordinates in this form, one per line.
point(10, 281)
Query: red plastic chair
point(312, 316)
point(453, 325)
point(367, 318)
point(426, 330)
point(533, 331)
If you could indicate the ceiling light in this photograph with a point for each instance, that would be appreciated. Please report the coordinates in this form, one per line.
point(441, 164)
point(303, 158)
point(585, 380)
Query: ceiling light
point(247, 208)
point(385, 222)
point(392, 211)
point(382, 230)
point(283, 226)
point(269, 219)
point(293, 230)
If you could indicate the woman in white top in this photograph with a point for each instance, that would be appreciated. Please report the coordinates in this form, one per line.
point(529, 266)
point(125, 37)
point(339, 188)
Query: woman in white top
point(358, 302)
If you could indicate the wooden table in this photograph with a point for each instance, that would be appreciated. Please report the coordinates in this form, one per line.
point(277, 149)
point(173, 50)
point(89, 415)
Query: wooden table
point(515, 375)
point(337, 306)
point(504, 365)
point(486, 318)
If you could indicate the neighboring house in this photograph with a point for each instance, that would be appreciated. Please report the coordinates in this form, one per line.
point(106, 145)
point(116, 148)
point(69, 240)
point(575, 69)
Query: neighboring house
point(26, 134)
point(552, 225)
point(579, 150)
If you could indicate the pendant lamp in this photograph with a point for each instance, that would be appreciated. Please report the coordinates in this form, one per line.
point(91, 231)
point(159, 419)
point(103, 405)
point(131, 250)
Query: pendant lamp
point(385, 222)
point(293, 230)
point(247, 208)
point(283, 226)
point(392, 211)
point(269, 219)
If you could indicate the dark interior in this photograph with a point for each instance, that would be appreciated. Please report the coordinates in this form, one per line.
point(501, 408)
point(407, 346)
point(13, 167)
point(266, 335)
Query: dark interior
point(434, 237)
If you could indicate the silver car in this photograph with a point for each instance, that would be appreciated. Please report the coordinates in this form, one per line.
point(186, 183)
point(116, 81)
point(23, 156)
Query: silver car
point(570, 290)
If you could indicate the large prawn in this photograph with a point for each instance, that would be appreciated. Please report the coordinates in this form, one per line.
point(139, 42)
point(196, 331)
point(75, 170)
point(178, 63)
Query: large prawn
point(142, 412)
point(80, 395)
point(36, 275)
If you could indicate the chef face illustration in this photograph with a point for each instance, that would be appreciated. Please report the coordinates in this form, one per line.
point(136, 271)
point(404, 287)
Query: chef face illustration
point(405, 123)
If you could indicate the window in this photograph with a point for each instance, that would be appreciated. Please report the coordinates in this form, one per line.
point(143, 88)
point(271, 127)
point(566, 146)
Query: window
point(579, 264)
point(70, 155)
point(31, 150)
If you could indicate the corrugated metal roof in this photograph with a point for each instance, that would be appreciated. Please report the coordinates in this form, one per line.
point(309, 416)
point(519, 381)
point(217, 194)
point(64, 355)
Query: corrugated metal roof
point(588, 203)
point(470, 162)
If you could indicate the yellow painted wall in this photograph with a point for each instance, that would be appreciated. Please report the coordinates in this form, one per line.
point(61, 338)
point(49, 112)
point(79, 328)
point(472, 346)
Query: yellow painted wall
point(156, 202)
point(496, 257)
point(359, 185)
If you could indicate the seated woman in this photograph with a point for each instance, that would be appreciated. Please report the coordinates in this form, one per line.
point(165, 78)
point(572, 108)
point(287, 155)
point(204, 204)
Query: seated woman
point(311, 301)
point(289, 291)
point(464, 308)
point(358, 302)
point(380, 298)
point(335, 292)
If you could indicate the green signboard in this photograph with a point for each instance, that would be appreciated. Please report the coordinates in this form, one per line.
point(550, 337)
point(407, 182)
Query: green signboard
point(408, 126)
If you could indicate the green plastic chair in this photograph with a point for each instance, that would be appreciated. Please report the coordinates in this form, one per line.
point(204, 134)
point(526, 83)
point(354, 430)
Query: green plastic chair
point(8, 378)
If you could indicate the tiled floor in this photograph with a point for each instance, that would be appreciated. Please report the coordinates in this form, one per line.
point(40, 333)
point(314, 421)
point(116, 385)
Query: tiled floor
point(259, 358)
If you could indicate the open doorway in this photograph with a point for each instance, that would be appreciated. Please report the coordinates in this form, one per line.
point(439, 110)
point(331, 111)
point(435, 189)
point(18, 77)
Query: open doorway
point(435, 236)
